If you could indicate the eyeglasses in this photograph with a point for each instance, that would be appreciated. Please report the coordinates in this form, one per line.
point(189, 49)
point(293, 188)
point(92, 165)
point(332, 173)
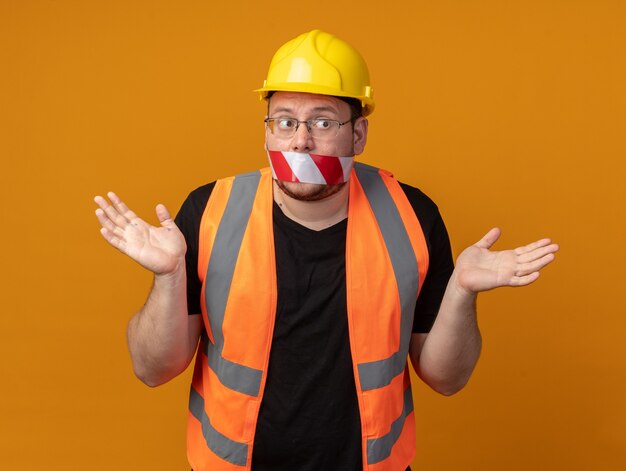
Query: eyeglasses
point(319, 128)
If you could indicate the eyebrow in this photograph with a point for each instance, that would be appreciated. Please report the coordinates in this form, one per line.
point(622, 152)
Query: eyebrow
point(317, 109)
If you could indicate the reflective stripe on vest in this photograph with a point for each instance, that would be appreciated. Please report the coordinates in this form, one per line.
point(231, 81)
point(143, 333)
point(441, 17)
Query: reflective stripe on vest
point(227, 449)
point(219, 276)
point(379, 373)
point(380, 448)
point(217, 285)
point(234, 249)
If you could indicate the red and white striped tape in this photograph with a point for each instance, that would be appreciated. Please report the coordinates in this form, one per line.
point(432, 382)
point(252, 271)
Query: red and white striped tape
point(310, 168)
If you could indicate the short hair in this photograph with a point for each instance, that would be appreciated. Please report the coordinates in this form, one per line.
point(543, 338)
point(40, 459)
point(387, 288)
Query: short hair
point(356, 107)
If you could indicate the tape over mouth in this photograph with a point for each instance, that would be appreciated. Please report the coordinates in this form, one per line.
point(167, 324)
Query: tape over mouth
point(301, 167)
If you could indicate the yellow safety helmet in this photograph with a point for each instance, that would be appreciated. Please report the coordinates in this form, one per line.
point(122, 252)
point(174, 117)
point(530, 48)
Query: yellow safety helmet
point(319, 62)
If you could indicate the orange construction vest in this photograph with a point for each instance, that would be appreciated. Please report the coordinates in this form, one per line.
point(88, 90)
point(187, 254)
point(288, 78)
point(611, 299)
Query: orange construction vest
point(386, 262)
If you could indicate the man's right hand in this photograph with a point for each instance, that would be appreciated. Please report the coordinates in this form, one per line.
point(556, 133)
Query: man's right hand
point(159, 249)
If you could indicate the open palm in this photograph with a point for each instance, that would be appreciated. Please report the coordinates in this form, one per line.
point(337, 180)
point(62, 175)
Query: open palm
point(480, 269)
point(159, 249)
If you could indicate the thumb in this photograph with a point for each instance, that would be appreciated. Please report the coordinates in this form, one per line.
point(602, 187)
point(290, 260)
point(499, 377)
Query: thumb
point(488, 239)
point(164, 215)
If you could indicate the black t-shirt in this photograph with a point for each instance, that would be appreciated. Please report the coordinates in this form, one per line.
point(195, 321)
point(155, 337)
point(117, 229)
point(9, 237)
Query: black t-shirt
point(309, 406)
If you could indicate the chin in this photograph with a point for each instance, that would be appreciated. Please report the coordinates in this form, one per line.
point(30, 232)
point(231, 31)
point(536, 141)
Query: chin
point(308, 191)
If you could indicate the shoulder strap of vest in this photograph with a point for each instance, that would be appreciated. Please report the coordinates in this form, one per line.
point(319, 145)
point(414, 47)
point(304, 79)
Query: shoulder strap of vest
point(379, 373)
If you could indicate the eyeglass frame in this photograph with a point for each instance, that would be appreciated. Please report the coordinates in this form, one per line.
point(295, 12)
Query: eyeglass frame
point(308, 124)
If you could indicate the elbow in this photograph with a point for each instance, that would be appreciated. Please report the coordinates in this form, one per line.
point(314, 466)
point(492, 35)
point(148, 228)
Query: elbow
point(446, 384)
point(450, 376)
point(154, 377)
point(156, 370)
point(448, 389)
point(150, 380)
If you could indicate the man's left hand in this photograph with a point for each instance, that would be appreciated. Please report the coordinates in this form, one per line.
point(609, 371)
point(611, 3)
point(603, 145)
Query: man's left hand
point(480, 269)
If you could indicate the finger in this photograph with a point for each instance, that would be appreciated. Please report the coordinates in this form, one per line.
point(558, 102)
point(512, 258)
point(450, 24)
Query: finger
point(524, 280)
point(489, 239)
point(113, 197)
point(121, 206)
point(116, 217)
point(532, 246)
point(535, 265)
point(112, 239)
point(104, 220)
point(100, 201)
point(110, 210)
point(537, 253)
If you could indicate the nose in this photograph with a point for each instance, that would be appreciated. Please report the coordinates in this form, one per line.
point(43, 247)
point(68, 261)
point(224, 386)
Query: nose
point(302, 141)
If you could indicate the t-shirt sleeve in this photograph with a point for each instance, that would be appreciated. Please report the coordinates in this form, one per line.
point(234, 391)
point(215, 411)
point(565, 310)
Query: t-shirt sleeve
point(188, 221)
point(440, 265)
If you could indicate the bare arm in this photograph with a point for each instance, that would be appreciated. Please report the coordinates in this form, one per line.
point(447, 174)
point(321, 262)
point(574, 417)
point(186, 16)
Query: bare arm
point(162, 337)
point(446, 357)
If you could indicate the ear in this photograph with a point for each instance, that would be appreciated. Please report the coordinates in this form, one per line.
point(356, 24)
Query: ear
point(359, 135)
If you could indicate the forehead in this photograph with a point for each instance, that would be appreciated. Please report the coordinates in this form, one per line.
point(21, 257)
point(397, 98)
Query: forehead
point(307, 102)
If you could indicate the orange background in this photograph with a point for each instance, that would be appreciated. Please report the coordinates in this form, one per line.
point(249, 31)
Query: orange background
point(505, 113)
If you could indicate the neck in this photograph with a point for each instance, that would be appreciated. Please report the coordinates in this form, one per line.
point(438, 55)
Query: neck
point(315, 215)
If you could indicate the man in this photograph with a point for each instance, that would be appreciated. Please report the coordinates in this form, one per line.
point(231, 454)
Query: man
point(303, 288)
